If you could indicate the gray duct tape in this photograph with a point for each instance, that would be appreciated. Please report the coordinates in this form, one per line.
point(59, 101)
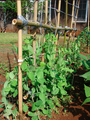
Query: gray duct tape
point(25, 22)
point(40, 24)
point(51, 27)
point(75, 29)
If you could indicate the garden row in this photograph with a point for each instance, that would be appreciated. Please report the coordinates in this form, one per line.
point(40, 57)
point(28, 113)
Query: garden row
point(47, 84)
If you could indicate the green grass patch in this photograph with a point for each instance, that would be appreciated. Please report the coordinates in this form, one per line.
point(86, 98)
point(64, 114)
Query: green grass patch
point(7, 38)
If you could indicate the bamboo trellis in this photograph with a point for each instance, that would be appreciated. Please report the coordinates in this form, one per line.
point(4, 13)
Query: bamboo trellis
point(22, 22)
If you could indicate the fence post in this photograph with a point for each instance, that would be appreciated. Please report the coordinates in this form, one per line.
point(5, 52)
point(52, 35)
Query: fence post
point(19, 63)
point(34, 41)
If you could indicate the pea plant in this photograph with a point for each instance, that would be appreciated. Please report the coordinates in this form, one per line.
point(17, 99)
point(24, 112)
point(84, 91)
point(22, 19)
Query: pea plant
point(86, 76)
point(45, 85)
point(84, 38)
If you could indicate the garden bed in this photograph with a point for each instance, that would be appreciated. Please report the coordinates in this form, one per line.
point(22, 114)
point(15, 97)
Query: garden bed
point(74, 110)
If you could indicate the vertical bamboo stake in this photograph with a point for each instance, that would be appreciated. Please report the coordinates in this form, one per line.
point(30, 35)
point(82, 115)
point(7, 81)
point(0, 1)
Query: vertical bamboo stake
point(76, 18)
point(58, 17)
point(66, 20)
point(58, 20)
point(72, 14)
point(34, 42)
point(76, 14)
point(46, 13)
point(72, 19)
point(88, 24)
point(50, 13)
point(19, 63)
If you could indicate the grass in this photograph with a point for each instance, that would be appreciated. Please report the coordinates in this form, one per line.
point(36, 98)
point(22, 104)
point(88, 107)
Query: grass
point(7, 38)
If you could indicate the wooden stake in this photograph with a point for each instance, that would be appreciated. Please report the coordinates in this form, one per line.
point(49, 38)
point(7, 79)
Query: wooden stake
point(76, 18)
point(46, 13)
point(34, 41)
point(66, 20)
point(88, 24)
point(72, 20)
point(58, 17)
point(19, 63)
point(58, 20)
point(72, 14)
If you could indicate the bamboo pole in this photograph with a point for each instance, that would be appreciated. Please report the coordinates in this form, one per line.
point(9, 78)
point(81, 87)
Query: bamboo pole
point(66, 20)
point(88, 24)
point(37, 24)
point(76, 18)
point(19, 63)
point(72, 14)
point(71, 26)
point(58, 17)
point(46, 13)
point(34, 42)
point(58, 21)
point(76, 14)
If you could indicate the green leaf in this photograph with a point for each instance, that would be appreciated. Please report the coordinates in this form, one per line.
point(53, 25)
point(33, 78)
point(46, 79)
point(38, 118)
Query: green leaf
point(63, 92)
point(38, 103)
point(30, 49)
point(39, 72)
point(34, 108)
point(13, 89)
point(8, 113)
point(41, 81)
point(55, 90)
point(87, 91)
point(24, 66)
point(43, 88)
point(6, 84)
point(42, 96)
point(7, 89)
point(4, 100)
point(88, 56)
point(85, 65)
point(15, 93)
point(9, 106)
point(26, 87)
point(86, 75)
point(34, 118)
point(25, 108)
point(45, 111)
point(86, 100)
point(11, 75)
point(4, 93)
point(31, 76)
point(14, 83)
point(52, 73)
point(1, 106)
point(26, 41)
point(68, 69)
point(31, 114)
point(83, 57)
point(14, 112)
point(42, 64)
